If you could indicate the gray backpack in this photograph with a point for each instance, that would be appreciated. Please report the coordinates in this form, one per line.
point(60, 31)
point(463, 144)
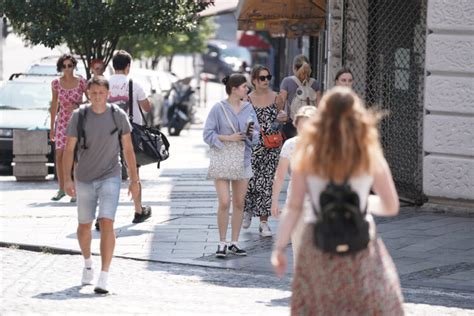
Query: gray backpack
point(305, 95)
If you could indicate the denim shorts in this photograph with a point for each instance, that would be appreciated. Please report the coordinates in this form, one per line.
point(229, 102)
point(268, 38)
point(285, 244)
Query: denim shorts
point(103, 192)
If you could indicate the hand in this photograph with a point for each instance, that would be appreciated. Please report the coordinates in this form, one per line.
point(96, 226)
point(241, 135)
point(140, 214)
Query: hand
point(134, 189)
point(250, 130)
point(274, 210)
point(279, 262)
point(282, 117)
point(51, 134)
point(69, 188)
point(279, 101)
point(236, 137)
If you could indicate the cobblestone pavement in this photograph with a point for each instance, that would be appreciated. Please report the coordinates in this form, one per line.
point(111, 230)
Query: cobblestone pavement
point(43, 283)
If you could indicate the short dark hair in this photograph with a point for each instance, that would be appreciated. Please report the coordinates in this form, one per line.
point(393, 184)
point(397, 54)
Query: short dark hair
point(60, 62)
point(341, 72)
point(233, 81)
point(121, 60)
point(99, 81)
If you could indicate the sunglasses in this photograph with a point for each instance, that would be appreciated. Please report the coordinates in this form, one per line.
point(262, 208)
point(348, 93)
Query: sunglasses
point(68, 66)
point(263, 78)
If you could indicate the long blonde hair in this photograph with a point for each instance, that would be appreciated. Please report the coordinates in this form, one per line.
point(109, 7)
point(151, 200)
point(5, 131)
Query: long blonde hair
point(302, 68)
point(341, 140)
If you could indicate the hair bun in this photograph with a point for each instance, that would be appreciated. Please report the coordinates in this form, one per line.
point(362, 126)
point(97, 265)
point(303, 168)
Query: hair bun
point(225, 79)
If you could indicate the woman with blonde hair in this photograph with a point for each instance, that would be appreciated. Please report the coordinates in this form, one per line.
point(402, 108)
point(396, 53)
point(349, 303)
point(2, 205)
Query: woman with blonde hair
point(297, 91)
point(340, 147)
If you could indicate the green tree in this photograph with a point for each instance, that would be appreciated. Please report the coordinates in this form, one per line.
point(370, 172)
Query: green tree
point(93, 28)
point(155, 47)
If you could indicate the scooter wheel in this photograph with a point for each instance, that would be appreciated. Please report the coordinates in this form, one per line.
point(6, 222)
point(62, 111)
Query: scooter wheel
point(172, 131)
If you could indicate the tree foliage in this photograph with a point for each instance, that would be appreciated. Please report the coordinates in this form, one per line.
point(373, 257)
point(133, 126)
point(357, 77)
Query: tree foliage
point(93, 28)
point(156, 46)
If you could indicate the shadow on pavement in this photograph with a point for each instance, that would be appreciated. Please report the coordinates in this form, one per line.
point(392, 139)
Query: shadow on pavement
point(74, 292)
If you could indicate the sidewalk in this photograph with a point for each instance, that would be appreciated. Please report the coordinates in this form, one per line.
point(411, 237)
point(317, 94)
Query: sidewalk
point(430, 249)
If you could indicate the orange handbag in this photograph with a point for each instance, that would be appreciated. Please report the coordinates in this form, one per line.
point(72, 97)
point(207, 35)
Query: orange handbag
point(272, 140)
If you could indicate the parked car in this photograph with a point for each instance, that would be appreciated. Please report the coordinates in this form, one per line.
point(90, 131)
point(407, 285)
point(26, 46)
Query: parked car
point(157, 84)
point(47, 66)
point(24, 104)
point(223, 58)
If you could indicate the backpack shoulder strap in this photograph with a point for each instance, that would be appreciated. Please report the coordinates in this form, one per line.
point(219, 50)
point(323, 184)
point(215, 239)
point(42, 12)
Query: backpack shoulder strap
point(297, 81)
point(81, 134)
point(115, 109)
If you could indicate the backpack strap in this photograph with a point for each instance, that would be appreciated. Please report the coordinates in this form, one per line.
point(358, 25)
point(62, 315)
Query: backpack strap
point(81, 134)
point(297, 81)
point(115, 109)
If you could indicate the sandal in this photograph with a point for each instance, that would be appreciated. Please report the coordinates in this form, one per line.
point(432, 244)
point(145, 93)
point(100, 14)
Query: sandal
point(59, 195)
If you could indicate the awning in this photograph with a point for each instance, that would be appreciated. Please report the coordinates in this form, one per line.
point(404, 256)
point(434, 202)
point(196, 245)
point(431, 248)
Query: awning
point(288, 18)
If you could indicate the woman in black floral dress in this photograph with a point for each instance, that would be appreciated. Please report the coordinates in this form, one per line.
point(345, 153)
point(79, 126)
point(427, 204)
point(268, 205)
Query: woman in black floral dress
point(268, 106)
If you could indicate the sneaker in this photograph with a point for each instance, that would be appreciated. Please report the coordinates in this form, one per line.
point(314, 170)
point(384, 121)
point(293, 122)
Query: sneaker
point(146, 213)
point(101, 286)
point(59, 195)
point(221, 251)
point(247, 220)
point(87, 276)
point(237, 251)
point(97, 225)
point(264, 229)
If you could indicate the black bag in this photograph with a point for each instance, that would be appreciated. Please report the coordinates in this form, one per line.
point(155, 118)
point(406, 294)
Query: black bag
point(341, 227)
point(149, 144)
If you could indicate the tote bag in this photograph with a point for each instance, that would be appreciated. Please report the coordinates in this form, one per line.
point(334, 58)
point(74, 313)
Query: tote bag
point(227, 162)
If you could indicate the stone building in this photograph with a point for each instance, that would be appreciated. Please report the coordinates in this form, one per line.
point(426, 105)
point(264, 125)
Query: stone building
point(415, 60)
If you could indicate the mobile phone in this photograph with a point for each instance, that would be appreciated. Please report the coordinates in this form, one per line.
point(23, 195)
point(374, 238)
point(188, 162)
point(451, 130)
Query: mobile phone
point(249, 126)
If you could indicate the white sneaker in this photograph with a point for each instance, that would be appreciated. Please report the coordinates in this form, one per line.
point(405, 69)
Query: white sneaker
point(87, 276)
point(265, 230)
point(101, 286)
point(247, 220)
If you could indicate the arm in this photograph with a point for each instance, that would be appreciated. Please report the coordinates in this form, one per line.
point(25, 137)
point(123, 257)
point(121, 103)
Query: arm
point(68, 160)
point(129, 155)
point(280, 175)
point(384, 187)
point(54, 110)
point(288, 221)
point(318, 97)
point(145, 105)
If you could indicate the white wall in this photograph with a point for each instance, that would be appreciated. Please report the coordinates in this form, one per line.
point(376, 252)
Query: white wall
point(448, 137)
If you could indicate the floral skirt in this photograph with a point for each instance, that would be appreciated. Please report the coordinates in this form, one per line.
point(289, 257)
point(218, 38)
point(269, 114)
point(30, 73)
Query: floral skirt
point(62, 120)
point(362, 284)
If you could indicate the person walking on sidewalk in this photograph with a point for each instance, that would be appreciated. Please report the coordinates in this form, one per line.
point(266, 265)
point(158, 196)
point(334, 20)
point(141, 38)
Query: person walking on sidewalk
point(97, 67)
point(298, 90)
point(67, 94)
point(339, 155)
point(97, 172)
point(286, 154)
point(119, 92)
point(270, 114)
point(230, 122)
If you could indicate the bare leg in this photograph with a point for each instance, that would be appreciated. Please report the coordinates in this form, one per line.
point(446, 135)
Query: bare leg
point(84, 237)
point(239, 189)
point(223, 197)
point(59, 168)
point(107, 242)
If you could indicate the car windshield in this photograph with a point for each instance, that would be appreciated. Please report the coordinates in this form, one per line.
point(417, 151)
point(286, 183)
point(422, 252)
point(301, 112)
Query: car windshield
point(25, 95)
point(239, 52)
point(47, 69)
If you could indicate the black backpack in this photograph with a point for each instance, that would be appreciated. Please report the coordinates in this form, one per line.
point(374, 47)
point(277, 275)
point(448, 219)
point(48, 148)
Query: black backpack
point(81, 133)
point(341, 227)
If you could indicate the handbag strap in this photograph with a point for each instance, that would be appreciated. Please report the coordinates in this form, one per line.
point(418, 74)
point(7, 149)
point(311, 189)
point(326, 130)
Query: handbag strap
point(130, 103)
point(227, 117)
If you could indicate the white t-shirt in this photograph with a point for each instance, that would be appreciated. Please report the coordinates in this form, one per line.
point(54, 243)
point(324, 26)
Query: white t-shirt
point(119, 92)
